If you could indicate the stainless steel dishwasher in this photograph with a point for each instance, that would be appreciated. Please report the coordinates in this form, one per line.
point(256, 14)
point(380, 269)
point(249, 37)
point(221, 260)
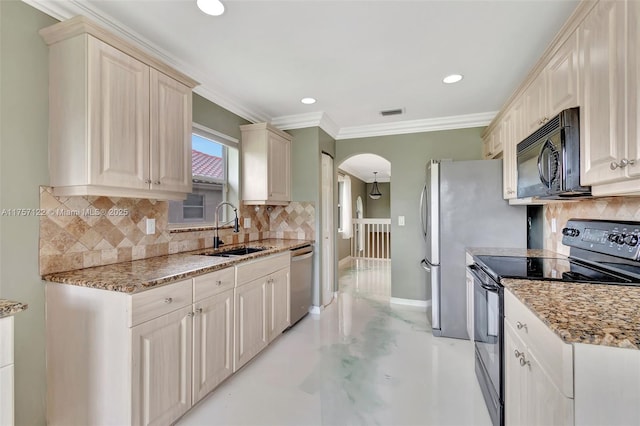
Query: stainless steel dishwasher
point(301, 279)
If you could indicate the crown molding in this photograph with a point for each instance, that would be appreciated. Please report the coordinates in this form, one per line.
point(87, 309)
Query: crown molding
point(311, 119)
point(63, 10)
point(417, 126)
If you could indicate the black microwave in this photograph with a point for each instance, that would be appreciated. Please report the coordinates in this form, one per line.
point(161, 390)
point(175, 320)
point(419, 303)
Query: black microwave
point(549, 159)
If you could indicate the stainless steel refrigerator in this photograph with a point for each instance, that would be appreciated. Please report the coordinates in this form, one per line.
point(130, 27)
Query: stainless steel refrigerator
point(462, 206)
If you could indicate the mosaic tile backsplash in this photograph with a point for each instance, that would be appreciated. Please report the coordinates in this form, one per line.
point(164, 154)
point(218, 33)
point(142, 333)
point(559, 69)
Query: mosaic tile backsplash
point(81, 232)
point(610, 208)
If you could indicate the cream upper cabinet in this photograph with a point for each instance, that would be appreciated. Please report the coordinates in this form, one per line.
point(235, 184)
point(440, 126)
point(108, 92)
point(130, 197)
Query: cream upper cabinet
point(602, 130)
point(266, 165)
point(492, 144)
point(610, 145)
point(511, 129)
point(170, 134)
point(554, 89)
point(120, 121)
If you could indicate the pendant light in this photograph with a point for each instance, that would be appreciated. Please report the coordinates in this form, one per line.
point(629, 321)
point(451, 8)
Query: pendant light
point(375, 191)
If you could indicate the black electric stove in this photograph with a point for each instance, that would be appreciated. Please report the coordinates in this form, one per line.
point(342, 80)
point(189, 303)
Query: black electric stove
point(601, 252)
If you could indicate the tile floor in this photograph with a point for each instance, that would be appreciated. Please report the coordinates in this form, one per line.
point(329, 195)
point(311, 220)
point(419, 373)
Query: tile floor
point(360, 362)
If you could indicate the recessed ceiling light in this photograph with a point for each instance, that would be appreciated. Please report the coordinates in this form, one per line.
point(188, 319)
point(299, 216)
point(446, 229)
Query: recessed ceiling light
point(211, 7)
point(308, 101)
point(453, 78)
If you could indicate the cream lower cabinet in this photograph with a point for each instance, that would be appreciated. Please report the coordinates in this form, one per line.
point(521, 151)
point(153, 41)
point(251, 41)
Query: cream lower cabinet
point(6, 371)
point(141, 359)
point(262, 308)
point(549, 382)
point(161, 368)
point(538, 370)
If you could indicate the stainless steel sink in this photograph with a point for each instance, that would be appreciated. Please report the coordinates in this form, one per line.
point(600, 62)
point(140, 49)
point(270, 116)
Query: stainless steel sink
point(236, 252)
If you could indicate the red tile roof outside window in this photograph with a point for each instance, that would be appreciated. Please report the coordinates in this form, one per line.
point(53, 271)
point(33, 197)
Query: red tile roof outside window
point(207, 166)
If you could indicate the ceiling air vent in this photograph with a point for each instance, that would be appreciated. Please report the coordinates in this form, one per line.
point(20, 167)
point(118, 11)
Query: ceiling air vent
point(388, 112)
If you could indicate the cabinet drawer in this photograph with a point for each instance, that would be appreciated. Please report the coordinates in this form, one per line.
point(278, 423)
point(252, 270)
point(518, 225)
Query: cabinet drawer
point(213, 283)
point(249, 271)
point(154, 303)
point(554, 356)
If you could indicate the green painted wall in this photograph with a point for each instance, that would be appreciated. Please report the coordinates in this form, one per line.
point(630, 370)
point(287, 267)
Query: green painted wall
point(408, 155)
point(380, 208)
point(24, 116)
point(216, 118)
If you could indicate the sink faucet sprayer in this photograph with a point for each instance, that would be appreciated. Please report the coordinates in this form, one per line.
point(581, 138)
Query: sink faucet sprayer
point(236, 227)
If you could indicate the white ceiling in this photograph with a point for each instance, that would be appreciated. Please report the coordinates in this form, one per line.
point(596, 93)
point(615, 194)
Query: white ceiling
point(355, 57)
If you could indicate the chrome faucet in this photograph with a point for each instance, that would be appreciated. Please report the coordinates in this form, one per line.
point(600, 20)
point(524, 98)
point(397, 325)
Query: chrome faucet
point(236, 227)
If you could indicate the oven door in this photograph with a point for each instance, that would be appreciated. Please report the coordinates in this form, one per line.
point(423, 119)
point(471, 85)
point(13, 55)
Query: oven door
point(488, 311)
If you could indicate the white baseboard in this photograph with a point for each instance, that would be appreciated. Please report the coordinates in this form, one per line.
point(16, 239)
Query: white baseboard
point(344, 261)
point(423, 305)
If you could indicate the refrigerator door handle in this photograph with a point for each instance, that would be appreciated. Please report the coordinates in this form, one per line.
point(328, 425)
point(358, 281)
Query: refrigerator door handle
point(424, 265)
point(423, 211)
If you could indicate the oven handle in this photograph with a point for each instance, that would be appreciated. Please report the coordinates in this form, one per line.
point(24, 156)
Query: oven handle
point(488, 287)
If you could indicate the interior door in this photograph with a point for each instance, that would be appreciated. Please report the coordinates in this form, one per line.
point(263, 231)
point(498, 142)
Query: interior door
point(328, 231)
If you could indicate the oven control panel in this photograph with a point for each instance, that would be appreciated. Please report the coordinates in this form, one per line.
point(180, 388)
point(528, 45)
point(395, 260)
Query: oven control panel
point(621, 239)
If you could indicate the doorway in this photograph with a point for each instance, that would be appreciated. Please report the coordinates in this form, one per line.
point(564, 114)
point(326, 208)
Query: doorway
point(328, 231)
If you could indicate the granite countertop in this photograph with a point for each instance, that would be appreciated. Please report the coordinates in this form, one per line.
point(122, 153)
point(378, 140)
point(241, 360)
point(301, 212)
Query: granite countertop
point(596, 314)
point(9, 307)
point(140, 275)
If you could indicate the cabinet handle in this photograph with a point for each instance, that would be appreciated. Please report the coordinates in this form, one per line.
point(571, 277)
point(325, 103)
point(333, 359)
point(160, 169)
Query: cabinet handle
point(622, 164)
point(147, 181)
point(219, 283)
point(518, 354)
point(520, 326)
point(524, 362)
point(199, 311)
point(511, 192)
point(190, 314)
point(168, 300)
point(156, 182)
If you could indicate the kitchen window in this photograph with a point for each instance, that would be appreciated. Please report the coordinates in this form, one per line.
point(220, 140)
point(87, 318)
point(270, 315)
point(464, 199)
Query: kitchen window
point(215, 170)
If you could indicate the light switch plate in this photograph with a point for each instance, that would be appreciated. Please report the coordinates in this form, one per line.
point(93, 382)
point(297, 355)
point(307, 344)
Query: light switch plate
point(151, 226)
point(400, 220)
point(553, 225)
point(247, 222)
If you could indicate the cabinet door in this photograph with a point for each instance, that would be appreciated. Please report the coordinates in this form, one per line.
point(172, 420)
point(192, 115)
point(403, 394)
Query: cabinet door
point(250, 321)
point(534, 99)
point(602, 134)
point(515, 398)
point(212, 343)
point(279, 168)
point(170, 134)
point(633, 87)
point(278, 300)
point(546, 405)
point(509, 164)
point(118, 118)
point(6, 395)
point(562, 78)
point(161, 368)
